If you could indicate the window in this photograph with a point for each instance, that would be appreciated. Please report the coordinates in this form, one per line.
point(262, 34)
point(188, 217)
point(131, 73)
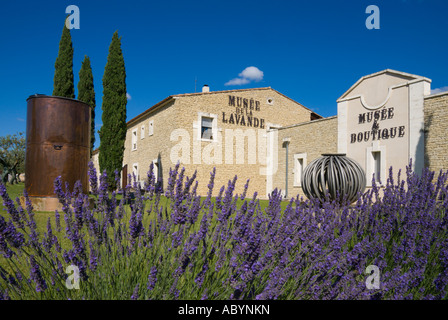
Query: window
point(151, 128)
point(134, 140)
point(207, 128)
point(142, 132)
point(377, 165)
point(299, 171)
point(299, 166)
point(156, 169)
point(135, 172)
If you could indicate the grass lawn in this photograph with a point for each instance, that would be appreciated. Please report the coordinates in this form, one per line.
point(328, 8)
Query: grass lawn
point(16, 191)
point(41, 217)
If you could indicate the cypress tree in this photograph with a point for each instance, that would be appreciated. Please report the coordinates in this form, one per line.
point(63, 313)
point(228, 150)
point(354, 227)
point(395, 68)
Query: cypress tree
point(63, 74)
point(113, 131)
point(86, 93)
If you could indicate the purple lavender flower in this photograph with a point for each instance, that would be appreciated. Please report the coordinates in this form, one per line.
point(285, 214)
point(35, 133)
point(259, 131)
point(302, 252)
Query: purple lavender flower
point(171, 181)
point(152, 278)
point(93, 257)
point(23, 216)
point(136, 222)
point(19, 276)
point(4, 249)
point(4, 295)
point(309, 250)
point(9, 234)
point(102, 191)
point(58, 190)
point(174, 291)
point(79, 209)
point(48, 237)
point(210, 187)
point(188, 183)
point(77, 239)
point(10, 207)
point(199, 280)
point(3, 274)
point(135, 293)
point(246, 186)
point(177, 237)
point(57, 220)
point(150, 183)
point(117, 178)
point(93, 178)
point(36, 275)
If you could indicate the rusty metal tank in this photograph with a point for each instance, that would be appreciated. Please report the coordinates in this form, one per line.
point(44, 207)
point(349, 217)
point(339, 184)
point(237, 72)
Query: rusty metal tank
point(57, 144)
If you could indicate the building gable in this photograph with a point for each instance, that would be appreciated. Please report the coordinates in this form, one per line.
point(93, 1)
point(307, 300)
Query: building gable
point(381, 121)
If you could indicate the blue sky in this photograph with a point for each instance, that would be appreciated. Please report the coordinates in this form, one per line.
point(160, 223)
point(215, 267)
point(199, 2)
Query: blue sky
point(311, 51)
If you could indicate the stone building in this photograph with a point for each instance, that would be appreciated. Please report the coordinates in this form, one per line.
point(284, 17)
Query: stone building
point(383, 120)
point(298, 145)
point(436, 130)
point(223, 129)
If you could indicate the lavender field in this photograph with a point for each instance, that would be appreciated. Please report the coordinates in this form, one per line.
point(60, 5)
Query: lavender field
point(177, 245)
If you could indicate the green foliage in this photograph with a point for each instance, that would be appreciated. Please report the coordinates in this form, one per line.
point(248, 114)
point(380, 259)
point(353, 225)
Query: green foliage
point(180, 246)
point(113, 131)
point(63, 75)
point(12, 155)
point(86, 93)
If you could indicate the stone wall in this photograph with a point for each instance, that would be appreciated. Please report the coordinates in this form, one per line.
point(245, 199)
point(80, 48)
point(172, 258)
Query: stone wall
point(436, 131)
point(238, 146)
point(96, 164)
point(154, 147)
point(249, 165)
point(307, 140)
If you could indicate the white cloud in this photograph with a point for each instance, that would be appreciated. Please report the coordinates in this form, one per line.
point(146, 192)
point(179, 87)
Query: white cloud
point(21, 119)
point(237, 82)
point(439, 90)
point(128, 96)
point(246, 76)
point(252, 73)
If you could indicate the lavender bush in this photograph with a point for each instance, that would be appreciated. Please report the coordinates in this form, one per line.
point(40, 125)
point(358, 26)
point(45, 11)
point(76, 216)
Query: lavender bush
point(177, 245)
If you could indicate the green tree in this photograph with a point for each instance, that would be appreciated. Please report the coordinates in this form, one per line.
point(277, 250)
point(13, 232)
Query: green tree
point(63, 74)
point(12, 155)
point(86, 93)
point(113, 131)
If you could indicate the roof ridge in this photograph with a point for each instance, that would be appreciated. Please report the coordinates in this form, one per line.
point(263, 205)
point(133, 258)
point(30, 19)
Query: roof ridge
point(174, 96)
point(414, 77)
point(306, 122)
point(220, 91)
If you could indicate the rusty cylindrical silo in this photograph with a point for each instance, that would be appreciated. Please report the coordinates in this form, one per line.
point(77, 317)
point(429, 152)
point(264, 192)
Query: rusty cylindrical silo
point(57, 144)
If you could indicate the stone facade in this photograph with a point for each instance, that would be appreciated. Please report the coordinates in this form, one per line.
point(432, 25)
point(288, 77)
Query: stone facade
point(262, 135)
point(381, 120)
point(306, 142)
point(150, 146)
point(239, 120)
point(96, 162)
point(436, 130)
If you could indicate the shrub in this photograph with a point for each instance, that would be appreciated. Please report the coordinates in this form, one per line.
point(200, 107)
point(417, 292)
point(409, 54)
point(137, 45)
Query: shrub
point(176, 245)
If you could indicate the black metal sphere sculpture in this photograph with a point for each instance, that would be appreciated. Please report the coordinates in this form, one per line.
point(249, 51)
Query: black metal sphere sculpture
point(333, 176)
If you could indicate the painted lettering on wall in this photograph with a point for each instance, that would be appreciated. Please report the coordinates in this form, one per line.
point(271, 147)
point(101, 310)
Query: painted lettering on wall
point(377, 133)
point(376, 116)
point(243, 114)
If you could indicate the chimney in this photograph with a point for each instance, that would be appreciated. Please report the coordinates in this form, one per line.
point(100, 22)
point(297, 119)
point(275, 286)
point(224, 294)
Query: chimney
point(205, 88)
